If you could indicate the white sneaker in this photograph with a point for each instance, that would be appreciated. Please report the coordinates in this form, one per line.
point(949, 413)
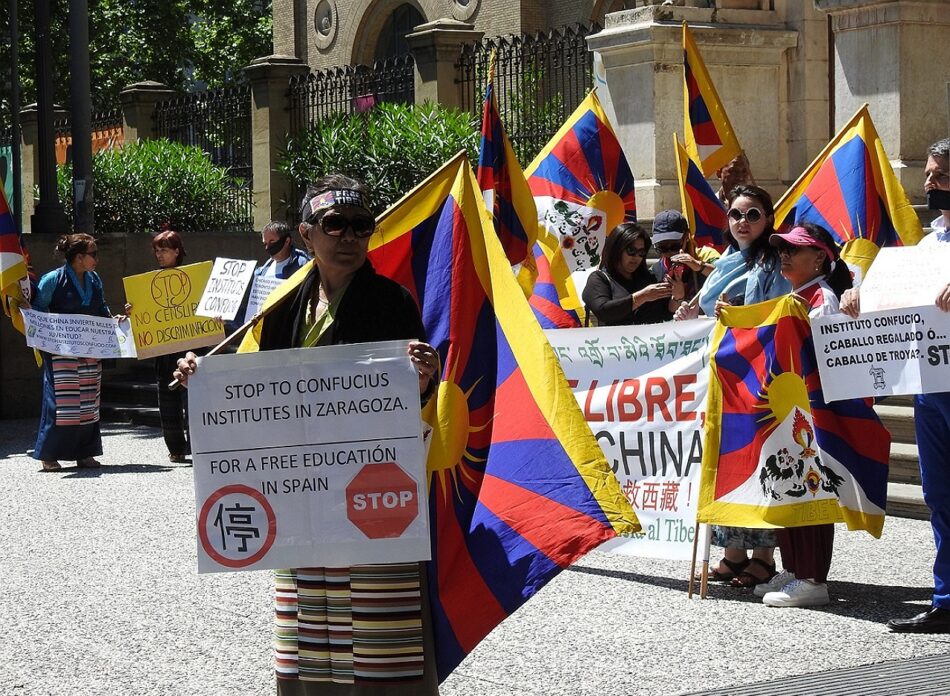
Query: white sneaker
point(773, 585)
point(799, 593)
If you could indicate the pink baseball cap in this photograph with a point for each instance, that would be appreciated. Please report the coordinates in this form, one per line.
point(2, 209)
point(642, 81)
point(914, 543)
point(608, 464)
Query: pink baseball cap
point(799, 236)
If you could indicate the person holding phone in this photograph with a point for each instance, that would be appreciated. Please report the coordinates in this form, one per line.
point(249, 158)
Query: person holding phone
point(680, 265)
point(931, 413)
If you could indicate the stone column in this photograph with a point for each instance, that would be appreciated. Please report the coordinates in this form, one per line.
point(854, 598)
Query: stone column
point(435, 48)
point(893, 54)
point(29, 157)
point(270, 123)
point(138, 109)
point(745, 52)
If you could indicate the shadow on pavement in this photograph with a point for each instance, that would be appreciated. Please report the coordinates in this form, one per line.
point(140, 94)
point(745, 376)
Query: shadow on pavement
point(74, 472)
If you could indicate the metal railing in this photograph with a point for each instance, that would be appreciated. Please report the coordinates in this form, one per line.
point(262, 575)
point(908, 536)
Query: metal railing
point(539, 80)
point(349, 89)
point(219, 122)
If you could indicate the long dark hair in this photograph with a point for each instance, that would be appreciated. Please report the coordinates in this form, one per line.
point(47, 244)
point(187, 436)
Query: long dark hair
point(760, 251)
point(623, 236)
point(72, 245)
point(836, 272)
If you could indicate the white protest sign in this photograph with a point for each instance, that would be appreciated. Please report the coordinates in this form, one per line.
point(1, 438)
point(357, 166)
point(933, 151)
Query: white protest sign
point(225, 288)
point(78, 335)
point(905, 277)
point(900, 351)
point(642, 390)
point(260, 289)
point(308, 457)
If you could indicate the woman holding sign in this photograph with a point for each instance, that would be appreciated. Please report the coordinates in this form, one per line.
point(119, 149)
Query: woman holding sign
point(69, 423)
point(343, 300)
point(169, 252)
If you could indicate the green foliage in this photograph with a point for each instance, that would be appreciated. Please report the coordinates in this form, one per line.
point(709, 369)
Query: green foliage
point(390, 148)
point(143, 185)
point(185, 44)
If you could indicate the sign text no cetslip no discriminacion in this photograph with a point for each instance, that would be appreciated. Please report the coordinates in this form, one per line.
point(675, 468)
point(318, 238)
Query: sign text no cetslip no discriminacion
point(308, 457)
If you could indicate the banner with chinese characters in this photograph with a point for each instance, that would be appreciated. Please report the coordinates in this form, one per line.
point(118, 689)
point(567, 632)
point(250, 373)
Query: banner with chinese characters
point(308, 457)
point(899, 351)
point(164, 310)
point(78, 335)
point(643, 392)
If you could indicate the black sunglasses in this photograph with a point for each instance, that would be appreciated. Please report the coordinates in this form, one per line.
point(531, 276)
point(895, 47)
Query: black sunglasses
point(752, 215)
point(667, 248)
point(633, 251)
point(335, 224)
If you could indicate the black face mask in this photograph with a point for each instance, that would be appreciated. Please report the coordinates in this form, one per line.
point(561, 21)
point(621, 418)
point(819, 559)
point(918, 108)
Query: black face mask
point(937, 199)
point(275, 248)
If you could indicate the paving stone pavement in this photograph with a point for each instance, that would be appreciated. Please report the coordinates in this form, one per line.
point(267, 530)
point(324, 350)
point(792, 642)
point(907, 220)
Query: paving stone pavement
point(100, 595)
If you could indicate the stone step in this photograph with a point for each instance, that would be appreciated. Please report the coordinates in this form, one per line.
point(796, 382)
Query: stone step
point(902, 400)
point(124, 413)
point(904, 466)
point(899, 420)
point(906, 500)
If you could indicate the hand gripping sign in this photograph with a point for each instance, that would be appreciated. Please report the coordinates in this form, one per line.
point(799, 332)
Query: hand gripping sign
point(308, 457)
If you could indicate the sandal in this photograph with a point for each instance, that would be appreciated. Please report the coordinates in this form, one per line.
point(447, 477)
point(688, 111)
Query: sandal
point(88, 463)
point(51, 465)
point(735, 569)
point(747, 579)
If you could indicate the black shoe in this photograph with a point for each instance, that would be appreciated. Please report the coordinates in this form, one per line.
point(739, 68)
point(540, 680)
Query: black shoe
point(935, 620)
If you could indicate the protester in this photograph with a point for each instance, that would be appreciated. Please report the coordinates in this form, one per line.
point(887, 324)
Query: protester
point(684, 271)
point(748, 272)
point(931, 417)
point(69, 422)
point(343, 300)
point(285, 259)
point(172, 403)
point(810, 261)
point(736, 172)
point(622, 291)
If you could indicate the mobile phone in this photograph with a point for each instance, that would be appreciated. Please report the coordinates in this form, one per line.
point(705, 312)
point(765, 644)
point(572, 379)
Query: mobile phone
point(677, 270)
point(938, 199)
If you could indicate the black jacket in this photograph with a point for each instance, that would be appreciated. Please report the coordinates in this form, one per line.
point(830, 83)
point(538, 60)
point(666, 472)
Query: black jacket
point(608, 298)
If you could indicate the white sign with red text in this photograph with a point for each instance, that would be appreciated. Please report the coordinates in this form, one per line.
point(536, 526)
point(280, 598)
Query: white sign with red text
point(642, 390)
point(308, 457)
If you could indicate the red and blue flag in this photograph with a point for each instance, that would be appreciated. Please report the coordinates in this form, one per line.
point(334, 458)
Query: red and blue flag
point(583, 188)
point(519, 487)
point(505, 190)
point(776, 454)
point(13, 264)
point(701, 206)
point(710, 140)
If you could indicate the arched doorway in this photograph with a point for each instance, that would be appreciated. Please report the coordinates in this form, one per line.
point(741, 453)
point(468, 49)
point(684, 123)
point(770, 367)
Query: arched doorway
point(391, 41)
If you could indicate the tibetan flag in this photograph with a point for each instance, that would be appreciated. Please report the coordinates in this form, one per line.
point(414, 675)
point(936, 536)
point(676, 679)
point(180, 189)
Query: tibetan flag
point(505, 189)
point(13, 265)
point(710, 140)
point(775, 454)
point(518, 488)
point(701, 206)
point(851, 191)
point(583, 188)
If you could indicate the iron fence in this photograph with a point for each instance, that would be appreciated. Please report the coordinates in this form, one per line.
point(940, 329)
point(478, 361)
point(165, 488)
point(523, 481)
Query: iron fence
point(219, 122)
point(349, 89)
point(539, 80)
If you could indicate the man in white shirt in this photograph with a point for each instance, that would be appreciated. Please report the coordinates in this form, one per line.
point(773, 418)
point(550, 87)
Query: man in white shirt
point(285, 258)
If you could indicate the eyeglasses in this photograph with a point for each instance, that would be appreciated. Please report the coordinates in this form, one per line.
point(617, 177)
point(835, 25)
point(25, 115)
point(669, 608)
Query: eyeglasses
point(633, 251)
point(670, 248)
point(788, 249)
point(334, 225)
point(752, 215)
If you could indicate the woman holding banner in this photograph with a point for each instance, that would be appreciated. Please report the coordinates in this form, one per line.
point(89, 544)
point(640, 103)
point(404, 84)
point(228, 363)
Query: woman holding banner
point(343, 300)
point(748, 272)
point(623, 291)
point(69, 422)
point(810, 261)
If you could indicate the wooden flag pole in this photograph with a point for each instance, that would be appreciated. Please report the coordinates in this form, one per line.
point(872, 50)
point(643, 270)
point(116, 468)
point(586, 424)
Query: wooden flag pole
point(707, 542)
point(692, 565)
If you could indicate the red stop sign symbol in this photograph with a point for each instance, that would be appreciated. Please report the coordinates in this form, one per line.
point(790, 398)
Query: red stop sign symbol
point(382, 500)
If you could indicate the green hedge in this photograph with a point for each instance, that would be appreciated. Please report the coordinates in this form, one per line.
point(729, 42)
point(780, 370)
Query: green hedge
point(390, 148)
point(143, 185)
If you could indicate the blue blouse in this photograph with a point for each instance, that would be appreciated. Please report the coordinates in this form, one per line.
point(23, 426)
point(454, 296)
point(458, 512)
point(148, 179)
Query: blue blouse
point(742, 285)
point(60, 291)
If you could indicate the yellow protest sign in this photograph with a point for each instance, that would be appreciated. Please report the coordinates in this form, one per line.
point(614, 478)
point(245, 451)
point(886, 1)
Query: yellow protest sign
point(163, 310)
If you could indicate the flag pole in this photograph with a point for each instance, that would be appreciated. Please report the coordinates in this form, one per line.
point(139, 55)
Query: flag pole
point(707, 543)
point(692, 565)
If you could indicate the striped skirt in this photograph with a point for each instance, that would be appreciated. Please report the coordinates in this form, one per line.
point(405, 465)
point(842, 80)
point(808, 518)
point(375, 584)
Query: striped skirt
point(69, 422)
point(359, 628)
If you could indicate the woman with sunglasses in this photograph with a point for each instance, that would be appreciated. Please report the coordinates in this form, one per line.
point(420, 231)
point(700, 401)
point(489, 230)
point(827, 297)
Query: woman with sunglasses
point(343, 300)
point(623, 291)
point(748, 272)
point(69, 422)
point(810, 262)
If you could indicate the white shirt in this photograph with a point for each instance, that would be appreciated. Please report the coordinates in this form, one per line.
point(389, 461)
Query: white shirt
point(273, 268)
point(940, 234)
